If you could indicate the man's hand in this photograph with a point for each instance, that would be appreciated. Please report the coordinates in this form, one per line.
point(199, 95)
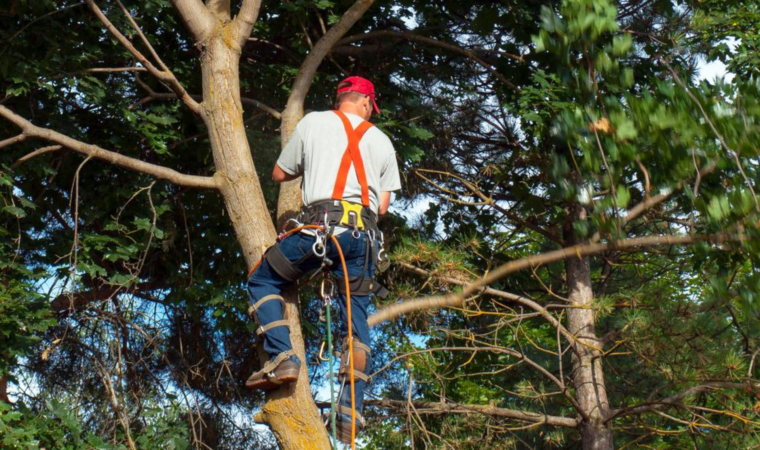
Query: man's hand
point(280, 176)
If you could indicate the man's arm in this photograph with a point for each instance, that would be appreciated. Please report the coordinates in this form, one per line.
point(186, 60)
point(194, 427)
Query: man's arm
point(385, 201)
point(280, 176)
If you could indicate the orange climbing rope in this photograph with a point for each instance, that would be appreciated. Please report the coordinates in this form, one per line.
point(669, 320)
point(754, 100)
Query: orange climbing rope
point(350, 343)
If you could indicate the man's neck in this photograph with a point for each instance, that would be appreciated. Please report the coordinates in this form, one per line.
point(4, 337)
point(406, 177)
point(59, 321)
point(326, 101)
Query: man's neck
point(352, 108)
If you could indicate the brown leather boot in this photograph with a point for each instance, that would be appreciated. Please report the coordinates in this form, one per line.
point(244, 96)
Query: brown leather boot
point(343, 427)
point(278, 372)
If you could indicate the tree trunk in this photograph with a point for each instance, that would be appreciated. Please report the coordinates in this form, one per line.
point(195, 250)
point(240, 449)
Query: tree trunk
point(4, 389)
point(587, 371)
point(291, 412)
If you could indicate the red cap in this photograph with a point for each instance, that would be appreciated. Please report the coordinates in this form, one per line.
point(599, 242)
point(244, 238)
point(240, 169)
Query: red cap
point(362, 86)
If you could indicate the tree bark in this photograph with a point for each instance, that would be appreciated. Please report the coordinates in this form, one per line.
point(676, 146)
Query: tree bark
point(587, 371)
point(4, 389)
point(290, 412)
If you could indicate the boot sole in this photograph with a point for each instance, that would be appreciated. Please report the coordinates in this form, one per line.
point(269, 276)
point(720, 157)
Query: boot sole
point(287, 377)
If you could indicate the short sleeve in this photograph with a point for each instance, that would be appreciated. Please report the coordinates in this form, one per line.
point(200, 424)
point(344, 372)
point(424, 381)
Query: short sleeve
point(291, 158)
point(389, 176)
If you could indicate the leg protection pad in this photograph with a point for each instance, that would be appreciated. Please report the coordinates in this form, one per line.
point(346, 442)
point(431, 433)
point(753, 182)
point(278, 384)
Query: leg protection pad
point(362, 361)
point(277, 323)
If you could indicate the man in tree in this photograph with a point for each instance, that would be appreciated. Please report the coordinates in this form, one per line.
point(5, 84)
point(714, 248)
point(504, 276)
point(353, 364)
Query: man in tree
point(349, 170)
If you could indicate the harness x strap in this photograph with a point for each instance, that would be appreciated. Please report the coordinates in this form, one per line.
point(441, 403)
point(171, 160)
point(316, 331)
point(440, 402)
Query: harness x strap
point(352, 155)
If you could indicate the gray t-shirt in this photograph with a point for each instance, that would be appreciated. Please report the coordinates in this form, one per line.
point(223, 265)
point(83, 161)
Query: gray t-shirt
point(316, 148)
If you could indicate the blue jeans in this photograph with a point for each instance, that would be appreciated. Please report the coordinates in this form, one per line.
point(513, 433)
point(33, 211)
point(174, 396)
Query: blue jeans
point(266, 281)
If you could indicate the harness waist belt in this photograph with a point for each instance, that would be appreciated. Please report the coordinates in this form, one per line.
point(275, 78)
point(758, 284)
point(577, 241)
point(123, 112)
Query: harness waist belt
point(341, 213)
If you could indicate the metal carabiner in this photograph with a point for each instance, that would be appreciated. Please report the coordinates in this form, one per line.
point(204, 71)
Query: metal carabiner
point(319, 249)
point(383, 262)
point(322, 352)
point(286, 227)
point(326, 289)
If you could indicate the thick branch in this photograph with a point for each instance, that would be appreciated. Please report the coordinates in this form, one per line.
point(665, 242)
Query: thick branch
point(579, 251)
point(318, 53)
point(444, 45)
point(163, 75)
point(94, 151)
point(493, 411)
point(197, 18)
point(677, 399)
point(245, 20)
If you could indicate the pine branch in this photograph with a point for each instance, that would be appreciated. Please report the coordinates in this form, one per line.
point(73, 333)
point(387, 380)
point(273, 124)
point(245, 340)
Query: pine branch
point(443, 301)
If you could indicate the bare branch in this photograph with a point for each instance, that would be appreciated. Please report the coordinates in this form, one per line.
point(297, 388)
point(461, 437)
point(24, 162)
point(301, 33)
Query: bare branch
point(519, 355)
point(246, 19)
point(14, 140)
point(40, 151)
point(153, 95)
point(197, 18)
point(164, 75)
point(112, 157)
point(644, 206)
point(444, 45)
point(497, 293)
point(114, 69)
point(579, 251)
point(142, 36)
point(488, 410)
point(488, 200)
point(78, 300)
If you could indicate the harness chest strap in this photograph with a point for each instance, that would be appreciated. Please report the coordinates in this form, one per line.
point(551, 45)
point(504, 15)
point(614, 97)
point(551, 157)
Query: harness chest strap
point(352, 155)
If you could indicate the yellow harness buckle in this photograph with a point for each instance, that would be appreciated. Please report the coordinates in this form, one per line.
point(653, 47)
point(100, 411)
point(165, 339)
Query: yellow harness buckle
point(352, 215)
